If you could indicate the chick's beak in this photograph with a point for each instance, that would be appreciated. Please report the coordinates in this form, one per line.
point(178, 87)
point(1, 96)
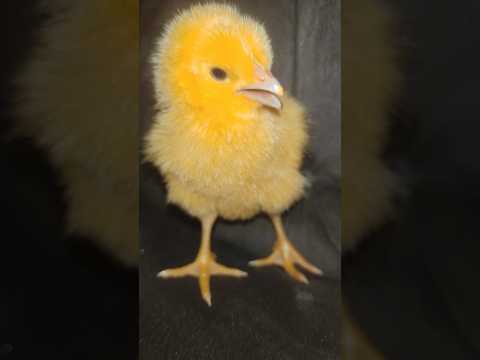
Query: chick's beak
point(266, 91)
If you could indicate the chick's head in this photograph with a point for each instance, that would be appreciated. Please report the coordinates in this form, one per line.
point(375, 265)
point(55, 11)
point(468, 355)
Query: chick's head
point(217, 62)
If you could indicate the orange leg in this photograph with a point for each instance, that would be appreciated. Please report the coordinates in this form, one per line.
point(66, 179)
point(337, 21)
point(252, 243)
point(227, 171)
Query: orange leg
point(204, 264)
point(284, 254)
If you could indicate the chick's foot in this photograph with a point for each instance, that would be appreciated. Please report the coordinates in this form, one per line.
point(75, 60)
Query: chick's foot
point(284, 254)
point(204, 265)
point(203, 268)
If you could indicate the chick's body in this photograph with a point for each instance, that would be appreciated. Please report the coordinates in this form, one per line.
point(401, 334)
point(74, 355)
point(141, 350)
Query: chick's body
point(238, 170)
point(223, 141)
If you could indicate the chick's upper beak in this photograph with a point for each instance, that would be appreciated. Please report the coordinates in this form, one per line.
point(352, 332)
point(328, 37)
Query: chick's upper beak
point(266, 91)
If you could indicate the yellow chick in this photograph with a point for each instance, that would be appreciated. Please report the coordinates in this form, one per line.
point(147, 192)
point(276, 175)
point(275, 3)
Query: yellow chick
point(227, 139)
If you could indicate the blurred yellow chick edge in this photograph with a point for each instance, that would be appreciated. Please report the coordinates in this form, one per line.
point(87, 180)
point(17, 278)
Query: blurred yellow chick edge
point(370, 83)
point(79, 100)
point(227, 140)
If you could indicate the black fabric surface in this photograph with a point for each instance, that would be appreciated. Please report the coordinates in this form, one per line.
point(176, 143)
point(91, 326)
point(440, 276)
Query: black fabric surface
point(266, 315)
point(60, 298)
point(414, 285)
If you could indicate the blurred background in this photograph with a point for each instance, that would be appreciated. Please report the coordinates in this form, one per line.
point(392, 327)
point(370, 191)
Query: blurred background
point(412, 284)
point(61, 297)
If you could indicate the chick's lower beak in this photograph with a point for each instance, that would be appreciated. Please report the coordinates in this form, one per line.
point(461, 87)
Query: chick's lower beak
point(267, 91)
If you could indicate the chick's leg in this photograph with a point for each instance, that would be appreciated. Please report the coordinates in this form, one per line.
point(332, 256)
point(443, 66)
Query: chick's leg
point(284, 254)
point(204, 265)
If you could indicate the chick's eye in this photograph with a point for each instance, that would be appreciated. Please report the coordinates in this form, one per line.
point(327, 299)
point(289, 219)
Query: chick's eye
point(218, 74)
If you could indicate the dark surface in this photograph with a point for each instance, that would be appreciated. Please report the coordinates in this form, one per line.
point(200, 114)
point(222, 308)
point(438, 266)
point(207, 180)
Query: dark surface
point(59, 297)
point(266, 315)
point(414, 286)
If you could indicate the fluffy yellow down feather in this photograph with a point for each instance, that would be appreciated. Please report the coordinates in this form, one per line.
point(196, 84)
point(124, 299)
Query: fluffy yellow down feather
point(79, 99)
point(219, 151)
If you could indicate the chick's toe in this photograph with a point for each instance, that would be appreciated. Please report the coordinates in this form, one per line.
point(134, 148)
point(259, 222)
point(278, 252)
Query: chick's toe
point(284, 254)
point(203, 268)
